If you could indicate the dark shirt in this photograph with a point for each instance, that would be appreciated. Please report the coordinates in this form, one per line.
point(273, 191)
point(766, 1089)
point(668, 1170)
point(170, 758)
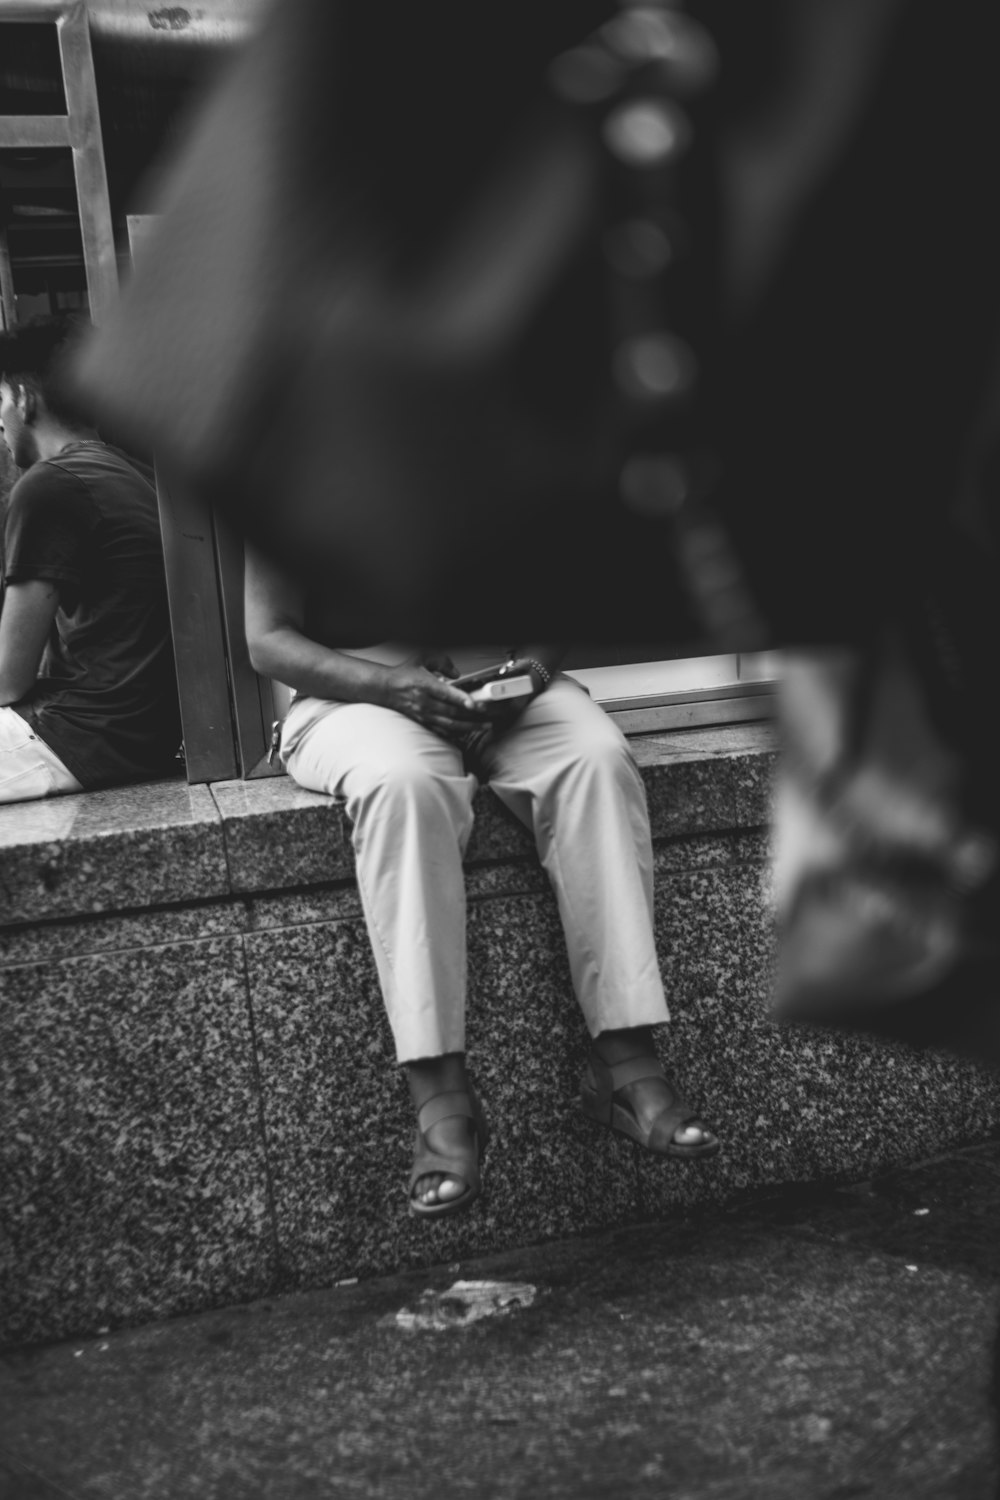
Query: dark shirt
point(106, 696)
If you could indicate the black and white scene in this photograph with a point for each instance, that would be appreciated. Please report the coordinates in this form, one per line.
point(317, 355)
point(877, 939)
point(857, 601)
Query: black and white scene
point(499, 839)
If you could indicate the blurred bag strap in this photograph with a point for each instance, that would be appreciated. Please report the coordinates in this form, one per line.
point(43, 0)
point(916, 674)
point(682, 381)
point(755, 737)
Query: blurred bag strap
point(636, 76)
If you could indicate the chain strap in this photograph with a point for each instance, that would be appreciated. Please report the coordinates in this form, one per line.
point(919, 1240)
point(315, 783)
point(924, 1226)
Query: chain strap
point(635, 76)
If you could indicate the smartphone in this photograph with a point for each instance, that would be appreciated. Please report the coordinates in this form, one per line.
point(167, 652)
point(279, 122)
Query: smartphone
point(502, 687)
point(500, 672)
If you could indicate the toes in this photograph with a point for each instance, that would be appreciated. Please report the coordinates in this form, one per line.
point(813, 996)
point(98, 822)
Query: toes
point(426, 1189)
point(437, 1188)
point(692, 1135)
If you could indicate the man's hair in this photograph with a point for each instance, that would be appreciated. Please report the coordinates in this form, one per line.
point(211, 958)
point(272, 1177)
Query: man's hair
point(33, 355)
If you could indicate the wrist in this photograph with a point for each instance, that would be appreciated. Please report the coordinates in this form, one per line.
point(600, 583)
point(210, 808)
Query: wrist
point(381, 692)
point(540, 674)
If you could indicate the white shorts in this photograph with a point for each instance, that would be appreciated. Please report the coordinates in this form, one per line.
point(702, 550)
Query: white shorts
point(28, 768)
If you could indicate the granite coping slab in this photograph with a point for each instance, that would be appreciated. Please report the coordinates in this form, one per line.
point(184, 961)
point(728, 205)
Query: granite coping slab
point(166, 843)
point(701, 781)
point(279, 835)
point(153, 844)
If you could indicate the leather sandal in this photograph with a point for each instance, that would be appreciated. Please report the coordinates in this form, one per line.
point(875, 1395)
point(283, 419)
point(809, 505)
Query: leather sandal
point(600, 1084)
point(463, 1164)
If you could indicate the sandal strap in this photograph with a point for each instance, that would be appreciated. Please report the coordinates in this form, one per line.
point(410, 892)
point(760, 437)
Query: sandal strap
point(634, 1070)
point(462, 1164)
point(442, 1106)
point(609, 1077)
point(464, 1168)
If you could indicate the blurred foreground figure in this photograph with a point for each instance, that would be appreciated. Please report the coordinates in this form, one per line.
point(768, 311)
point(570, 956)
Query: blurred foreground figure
point(408, 313)
point(433, 282)
point(700, 300)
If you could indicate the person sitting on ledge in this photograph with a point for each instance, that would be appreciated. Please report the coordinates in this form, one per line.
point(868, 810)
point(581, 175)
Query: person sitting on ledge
point(383, 730)
point(88, 689)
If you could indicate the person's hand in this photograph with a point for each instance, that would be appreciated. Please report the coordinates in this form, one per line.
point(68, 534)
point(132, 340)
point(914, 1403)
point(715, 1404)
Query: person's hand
point(422, 694)
point(501, 713)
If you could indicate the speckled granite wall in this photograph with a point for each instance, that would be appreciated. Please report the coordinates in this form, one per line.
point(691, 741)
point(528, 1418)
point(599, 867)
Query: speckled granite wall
point(131, 1158)
point(199, 1099)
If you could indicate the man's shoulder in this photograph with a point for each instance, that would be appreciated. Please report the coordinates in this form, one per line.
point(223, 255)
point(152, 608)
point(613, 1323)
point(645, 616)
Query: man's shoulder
point(116, 486)
point(95, 463)
point(45, 482)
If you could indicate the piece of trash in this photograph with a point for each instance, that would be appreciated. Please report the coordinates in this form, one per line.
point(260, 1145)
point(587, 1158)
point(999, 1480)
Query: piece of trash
point(817, 1429)
point(911, 1268)
point(465, 1302)
point(347, 1281)
point(103, 1347)
point(104, 1330)
point(77, 1353)
point(917, 1212)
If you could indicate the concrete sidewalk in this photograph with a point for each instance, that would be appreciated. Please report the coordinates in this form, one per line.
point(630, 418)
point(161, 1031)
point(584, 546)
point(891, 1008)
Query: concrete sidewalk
point(814, 1345)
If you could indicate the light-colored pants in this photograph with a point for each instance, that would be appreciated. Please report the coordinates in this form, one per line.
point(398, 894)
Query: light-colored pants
point(567, 773)
point(28, 768)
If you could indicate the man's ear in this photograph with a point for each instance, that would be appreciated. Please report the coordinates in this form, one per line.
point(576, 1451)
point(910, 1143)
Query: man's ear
point(27, 402)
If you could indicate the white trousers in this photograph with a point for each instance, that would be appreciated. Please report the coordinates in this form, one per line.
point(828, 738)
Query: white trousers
point(566, 772)
point(28, 768)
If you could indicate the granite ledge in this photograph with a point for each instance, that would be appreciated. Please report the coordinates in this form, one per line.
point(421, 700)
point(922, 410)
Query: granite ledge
point(165, 843)
point(698, 781)
point(278, 835)
point(158, 843)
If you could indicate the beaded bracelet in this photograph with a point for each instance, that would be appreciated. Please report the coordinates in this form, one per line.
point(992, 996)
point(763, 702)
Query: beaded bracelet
point(543, 672)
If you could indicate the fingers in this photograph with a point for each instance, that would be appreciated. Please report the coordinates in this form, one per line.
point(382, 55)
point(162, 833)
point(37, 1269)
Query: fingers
point(446, 720)
point(452, 703)
point(434, 703)
point(448, 694)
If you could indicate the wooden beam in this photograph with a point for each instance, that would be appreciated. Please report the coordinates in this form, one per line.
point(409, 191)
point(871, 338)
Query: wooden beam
point(93, 198)
point(34, 132)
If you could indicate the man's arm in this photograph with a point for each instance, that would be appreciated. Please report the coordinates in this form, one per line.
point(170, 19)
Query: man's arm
point(25, 621)
point(278, 647)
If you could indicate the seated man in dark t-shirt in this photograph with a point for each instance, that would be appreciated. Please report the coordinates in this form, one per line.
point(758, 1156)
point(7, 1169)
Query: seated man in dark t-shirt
point(88, 691)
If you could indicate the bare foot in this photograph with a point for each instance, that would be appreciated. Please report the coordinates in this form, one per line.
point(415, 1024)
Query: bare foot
point(449, 1137)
